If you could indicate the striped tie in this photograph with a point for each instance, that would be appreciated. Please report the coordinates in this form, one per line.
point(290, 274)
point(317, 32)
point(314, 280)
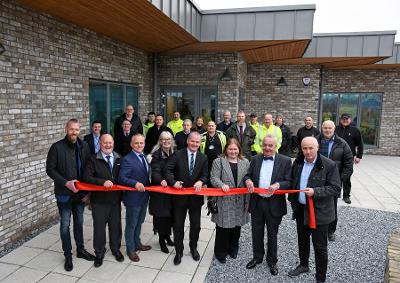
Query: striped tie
point(191, 165)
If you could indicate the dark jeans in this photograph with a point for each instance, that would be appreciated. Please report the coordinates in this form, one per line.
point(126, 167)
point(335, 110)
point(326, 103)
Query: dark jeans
point(65, 209)
point(320, 244)
point(135, 216)
point(104, 214)
point(261, 217)
point(333, 224)
point(226, 241)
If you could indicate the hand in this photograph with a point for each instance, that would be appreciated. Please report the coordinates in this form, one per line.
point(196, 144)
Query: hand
point(178, 185)
point(139, 186)
point(225, 188)
point(250, 186)
point(71, 186)
point(108, 184)
point(164, 183)
point(273, 188)
point(356, 160)
point(197, 186)
point(309, 192)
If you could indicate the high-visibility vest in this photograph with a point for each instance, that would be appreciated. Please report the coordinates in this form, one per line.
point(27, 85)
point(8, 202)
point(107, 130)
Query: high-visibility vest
point(255, 127)
point(147, 127)
point(175, 125)
point(220, 135)
point(262, 132)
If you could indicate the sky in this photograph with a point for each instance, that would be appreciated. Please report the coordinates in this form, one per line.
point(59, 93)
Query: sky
point(331, 15)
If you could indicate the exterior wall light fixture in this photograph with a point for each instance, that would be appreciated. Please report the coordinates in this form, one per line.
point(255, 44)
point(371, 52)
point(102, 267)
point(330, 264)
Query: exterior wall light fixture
point(2, 49)
point(282, 82)
point(226, 75)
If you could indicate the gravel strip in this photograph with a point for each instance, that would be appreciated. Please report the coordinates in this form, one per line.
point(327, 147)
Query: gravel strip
point(357, 255)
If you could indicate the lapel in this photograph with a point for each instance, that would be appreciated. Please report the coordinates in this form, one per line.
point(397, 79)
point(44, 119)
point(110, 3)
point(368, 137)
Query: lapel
point(139, 162)
point(197, 161)
point(242, 171)
point(185, 164)
point(226, 167)
point(275, 170)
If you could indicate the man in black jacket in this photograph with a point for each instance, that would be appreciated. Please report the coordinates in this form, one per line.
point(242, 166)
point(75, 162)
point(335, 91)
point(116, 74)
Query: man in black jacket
point(307, 131)
point(336, 149)
point(66, 160)
point(226, 122)
point(102, 169)
point(352, 136)
point(123, 139)
point(319, 177)
point(132, 117)
point(154, 133)
point(187, 168)
point(93, 139)
point(181, 137)
point(286, 146)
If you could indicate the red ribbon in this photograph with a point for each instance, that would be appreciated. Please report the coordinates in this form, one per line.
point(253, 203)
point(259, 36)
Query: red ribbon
point(214, 192)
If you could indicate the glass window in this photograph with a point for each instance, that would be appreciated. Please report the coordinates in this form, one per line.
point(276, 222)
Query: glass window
point(107, 101)
point(365, 109)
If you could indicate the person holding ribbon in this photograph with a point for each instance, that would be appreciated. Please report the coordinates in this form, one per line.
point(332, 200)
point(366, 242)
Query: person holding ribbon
point(228, 172)
point(319, 177)
point(271, 171)
point(160, 205)
point(102, 169)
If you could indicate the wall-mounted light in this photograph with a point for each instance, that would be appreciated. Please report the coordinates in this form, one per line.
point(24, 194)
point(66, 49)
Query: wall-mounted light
point(2, 49)
point(226, 75)
point(306, 81)
point(282, 82)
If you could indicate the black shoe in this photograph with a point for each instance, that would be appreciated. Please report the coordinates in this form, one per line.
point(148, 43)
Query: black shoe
point(253, 263)
point(195, 254)
point(85, 255)
point(118, 256)
point(177, 259)
point(233, 254)
point(98, 261)
point(163, 246)
point(331, 237)
point(273, 269)
point(298, 270)
point(347, 200)
point(221, 260)
point(169, 241)
point(68, 266)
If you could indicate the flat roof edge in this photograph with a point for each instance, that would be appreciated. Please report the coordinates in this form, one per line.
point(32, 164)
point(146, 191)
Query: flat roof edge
point(259, 9)
point(359, 33)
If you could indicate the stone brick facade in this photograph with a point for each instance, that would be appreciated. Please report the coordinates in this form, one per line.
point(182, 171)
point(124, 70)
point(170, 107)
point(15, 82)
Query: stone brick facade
point(44, 81)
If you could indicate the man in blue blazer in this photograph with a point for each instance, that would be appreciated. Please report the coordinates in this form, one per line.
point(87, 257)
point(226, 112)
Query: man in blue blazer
point(135, 173)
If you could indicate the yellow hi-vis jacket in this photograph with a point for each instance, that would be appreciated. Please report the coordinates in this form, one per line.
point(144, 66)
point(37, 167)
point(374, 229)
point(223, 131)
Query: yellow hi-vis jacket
point(147, 127)
point(262, 132)
point(220, 135)
point(175, 125)
point(255, 127)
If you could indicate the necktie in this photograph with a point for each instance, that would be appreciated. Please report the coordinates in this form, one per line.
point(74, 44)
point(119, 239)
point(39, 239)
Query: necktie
point(143, 162)
point(109, 162)
point(191, 165)
point(268, 158)
point(241, 133)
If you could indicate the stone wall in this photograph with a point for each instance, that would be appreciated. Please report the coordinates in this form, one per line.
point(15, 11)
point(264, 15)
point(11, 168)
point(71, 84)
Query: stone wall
point(384, 81)
point(44, 81)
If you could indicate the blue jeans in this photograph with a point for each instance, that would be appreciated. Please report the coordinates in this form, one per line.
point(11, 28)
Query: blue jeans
point(76, 207)
point(135, 216)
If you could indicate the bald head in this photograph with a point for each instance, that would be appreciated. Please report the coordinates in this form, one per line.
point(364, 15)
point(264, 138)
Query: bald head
point(106, 144)
point(309, 147)
point(328, 129)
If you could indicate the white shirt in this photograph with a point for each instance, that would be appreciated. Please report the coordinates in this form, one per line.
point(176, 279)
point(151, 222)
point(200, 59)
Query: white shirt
point(265, 175)
point(189, 154)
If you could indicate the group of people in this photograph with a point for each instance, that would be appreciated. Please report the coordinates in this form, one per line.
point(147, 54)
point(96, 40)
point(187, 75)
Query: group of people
point(224, 156)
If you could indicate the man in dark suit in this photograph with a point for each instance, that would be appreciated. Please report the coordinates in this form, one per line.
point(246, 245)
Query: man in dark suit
point(123, 139)
point(132, 117)
point(134, 172)
point(93, 139)
point(319, 177)
point(187, 168)
point(102, 169)
point(271, 171)
point(154, 133)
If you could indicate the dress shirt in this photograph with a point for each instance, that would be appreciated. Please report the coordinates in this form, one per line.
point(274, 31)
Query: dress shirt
point(243, 126)
point(265, 175)
point(138, 154)
point(305, 174)
point(111, 157)
point(96, 142)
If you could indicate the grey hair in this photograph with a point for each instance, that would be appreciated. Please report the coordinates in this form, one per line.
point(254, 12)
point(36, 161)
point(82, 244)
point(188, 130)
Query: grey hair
point(188, 121)
point(271, 136)
point(163, 135)
point(194, 133)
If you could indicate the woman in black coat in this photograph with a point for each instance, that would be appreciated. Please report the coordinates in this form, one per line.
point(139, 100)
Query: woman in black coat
point(160, 205)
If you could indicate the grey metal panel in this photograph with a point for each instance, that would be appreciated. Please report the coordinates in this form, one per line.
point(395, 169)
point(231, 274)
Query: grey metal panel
point(166, 7)
point(188, 25)
point(261, 9)
point(324, 47)
point(371, 45)
point(339, 46)
point(312, 49)
point(175, 10)
point(395, 58)
point(225, 27)
point(284, 25)
point(355, 46)
point(264, 26)
point(182, 13)
point(386, 45)
point(209, 27)
point(198, 25)
point(304, 24)
point(156, 3)
point(194, 21)
point(245, 26)
point(398, 53)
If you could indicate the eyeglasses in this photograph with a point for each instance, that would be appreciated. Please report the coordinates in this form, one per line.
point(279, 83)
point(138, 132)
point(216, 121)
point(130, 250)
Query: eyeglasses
point(164, 140)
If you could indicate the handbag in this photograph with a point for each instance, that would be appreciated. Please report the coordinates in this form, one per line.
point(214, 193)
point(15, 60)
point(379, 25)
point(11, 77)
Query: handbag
point(212, 206)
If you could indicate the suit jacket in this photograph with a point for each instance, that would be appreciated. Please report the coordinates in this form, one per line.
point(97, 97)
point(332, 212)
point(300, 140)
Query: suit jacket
point(249, 135)
point(281, 174)
point(131, 172)
point(97, 172)
point(89, 139)
point(325, 181)
point(122, 143)
point(177, 169)
point(232, 210)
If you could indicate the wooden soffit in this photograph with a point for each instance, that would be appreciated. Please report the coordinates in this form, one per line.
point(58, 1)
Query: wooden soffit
point(135, 22)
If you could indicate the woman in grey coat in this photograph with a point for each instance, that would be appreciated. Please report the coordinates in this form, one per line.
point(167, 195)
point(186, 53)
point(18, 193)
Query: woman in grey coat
point(228, 172)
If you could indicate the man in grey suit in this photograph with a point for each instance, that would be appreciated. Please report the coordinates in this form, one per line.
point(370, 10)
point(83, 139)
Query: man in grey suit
point(271, 171)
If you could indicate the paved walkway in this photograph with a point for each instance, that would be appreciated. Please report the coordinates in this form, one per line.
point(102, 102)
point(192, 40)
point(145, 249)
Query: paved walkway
point(376, 185)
